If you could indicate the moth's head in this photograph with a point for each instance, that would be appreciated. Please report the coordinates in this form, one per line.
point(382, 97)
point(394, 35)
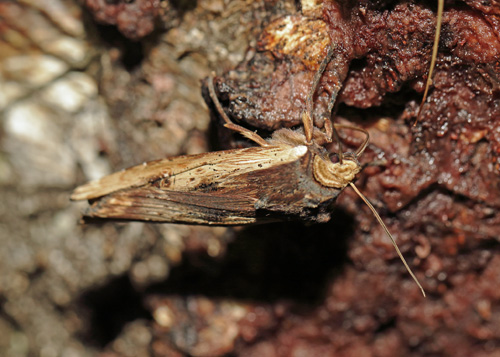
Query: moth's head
point(336, 174)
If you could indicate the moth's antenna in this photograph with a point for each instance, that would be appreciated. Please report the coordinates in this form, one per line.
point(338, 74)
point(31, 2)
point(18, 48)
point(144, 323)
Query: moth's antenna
point(228, 123)
point(307, 115)
point(335, 136)
point(389, 234)
point(362, 147)
point(433, 59)
point(330, 128)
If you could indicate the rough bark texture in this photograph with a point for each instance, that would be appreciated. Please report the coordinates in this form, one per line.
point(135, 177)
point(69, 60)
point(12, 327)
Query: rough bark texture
point(79, 99)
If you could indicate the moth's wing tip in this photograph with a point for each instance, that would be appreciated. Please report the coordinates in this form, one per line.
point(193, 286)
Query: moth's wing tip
point(132, 177)
point(88, 191)
point(78, 195)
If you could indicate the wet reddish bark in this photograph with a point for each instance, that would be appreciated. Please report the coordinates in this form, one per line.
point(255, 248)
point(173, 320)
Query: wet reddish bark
point(334, 289)
point(135, 19)
point(435, 184)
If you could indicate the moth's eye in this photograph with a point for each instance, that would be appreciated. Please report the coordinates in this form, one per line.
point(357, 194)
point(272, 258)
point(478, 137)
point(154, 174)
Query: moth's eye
point(334, 157)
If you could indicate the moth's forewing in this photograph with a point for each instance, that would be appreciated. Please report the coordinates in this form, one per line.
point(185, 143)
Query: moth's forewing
point(222, 188)
point(135, 176)
point(189, 172)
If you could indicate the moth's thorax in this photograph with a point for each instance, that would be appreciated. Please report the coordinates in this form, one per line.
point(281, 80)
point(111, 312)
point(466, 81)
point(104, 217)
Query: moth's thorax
point(336, 175)
point(327, 173)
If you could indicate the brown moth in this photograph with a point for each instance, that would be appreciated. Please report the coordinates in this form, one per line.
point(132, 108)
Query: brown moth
point(289, 176)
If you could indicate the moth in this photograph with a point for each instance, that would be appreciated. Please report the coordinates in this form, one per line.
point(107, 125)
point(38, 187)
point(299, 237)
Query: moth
point(288, 176)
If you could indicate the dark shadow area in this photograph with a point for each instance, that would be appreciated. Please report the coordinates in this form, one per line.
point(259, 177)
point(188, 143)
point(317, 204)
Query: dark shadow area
point(386, 326)
point(109, 308)
point(132, 52)
point(6, 318)
point(392, 106)
point(267, 263)
point(184, 6)
point(264, 263)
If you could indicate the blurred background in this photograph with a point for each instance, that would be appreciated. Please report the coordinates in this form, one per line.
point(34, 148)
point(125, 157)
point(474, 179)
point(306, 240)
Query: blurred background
point(93, 86)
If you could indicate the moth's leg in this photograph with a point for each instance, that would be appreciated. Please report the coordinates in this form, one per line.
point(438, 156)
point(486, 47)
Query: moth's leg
point(331, 132)
point(362, 147)
point(307, 114)
point(433, 58)
point(228, 123)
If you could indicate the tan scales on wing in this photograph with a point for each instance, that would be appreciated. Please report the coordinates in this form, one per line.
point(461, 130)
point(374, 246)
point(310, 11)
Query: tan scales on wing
point(184, 172)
